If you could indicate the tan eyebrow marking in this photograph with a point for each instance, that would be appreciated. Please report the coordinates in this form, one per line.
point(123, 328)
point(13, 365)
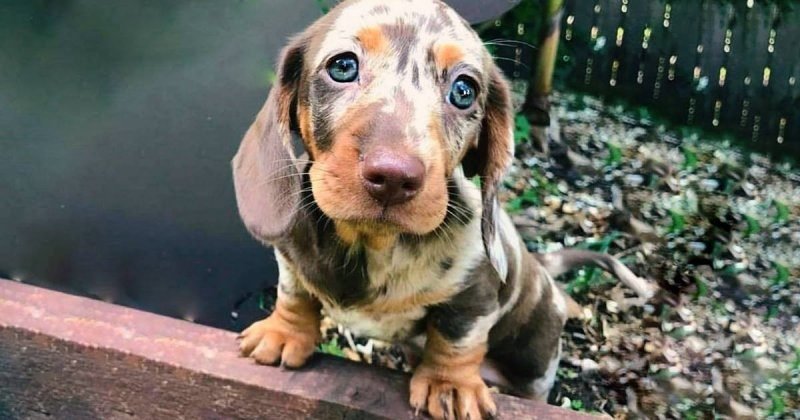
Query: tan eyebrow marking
point(372, 39)
point(304, 121)
point(447, 55)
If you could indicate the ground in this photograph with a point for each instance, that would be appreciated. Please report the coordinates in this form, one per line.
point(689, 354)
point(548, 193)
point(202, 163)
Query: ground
point(715, 227)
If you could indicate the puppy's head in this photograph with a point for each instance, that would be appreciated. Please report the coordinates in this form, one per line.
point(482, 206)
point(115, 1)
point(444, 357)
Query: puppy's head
point(389, 99)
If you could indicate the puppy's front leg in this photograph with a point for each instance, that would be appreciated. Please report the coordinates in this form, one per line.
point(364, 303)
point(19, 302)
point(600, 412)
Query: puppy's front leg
point(291, 332)
point(447, 381)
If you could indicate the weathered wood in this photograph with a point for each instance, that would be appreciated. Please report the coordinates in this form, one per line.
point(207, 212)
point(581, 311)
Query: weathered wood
point(537, 98)
point(72, 357)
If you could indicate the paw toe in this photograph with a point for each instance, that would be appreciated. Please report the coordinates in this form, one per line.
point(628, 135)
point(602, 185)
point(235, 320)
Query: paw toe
point(486, 402)
point(419, 394)
point(445, 400)
point(247, 344)
point(440, 401)
point(467, 406)
point(296, 352)
point(268, 351)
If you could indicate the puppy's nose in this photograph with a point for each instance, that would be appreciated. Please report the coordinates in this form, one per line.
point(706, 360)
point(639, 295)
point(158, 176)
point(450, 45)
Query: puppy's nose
point(392, 177)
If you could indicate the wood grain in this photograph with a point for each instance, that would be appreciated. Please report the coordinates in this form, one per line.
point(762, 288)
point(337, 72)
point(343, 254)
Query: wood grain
point(64, 356)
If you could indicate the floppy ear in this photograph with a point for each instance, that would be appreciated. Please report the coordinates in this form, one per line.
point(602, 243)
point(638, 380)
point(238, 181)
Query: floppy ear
point(490, 159)
point(265, 171)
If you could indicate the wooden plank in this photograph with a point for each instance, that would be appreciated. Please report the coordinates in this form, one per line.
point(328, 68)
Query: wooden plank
point(72, 357)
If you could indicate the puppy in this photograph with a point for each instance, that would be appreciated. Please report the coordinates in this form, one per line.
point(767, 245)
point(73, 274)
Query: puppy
point(362, 171)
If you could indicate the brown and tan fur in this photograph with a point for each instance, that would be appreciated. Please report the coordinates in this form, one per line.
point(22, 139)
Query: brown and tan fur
point(447, 265)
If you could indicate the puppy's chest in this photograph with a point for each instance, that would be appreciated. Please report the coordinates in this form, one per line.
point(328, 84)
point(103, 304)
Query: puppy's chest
point(401, 285)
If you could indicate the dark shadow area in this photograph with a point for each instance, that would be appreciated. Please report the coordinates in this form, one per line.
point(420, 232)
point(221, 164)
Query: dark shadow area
point(118, 123)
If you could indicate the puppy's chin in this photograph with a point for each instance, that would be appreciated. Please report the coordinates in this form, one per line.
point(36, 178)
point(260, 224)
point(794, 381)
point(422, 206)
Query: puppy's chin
point(379, 229)
point(373, 235)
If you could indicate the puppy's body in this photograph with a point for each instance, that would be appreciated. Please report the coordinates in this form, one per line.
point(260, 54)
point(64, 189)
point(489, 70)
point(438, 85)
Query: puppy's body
point(398, 106)
point(439, 279)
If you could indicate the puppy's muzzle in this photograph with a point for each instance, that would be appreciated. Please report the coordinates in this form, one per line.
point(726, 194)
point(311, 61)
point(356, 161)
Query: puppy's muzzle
point(392, 177)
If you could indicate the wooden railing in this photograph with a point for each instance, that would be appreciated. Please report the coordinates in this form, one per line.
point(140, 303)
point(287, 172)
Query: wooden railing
point(72, 357)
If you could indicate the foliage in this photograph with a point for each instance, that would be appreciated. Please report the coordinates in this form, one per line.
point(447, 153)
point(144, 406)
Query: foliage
point(324, 7)
point(332, 348)
point(614, 155)
point(718, 226)
point(689, 158)
point(522, 129)
point(529, 198)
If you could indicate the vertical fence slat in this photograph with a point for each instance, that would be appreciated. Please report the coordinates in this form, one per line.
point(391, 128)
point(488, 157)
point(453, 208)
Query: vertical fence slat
point(687, 71)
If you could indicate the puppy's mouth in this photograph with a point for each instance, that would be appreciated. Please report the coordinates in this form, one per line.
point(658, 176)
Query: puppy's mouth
point(358, 216)
point(379, 220)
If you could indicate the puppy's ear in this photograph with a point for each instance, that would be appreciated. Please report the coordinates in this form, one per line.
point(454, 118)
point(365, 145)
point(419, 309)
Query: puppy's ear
point(266, 175)
point(489, 160)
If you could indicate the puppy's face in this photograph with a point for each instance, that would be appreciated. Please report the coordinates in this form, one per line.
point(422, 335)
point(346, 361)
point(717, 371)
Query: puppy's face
point(392, 96)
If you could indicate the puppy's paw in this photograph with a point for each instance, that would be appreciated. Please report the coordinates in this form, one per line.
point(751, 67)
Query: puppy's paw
point(277, 339)
point(447, 394)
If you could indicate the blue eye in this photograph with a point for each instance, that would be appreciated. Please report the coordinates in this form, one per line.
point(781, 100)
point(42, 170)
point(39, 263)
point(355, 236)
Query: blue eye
point(343, 68)
point(462, 93)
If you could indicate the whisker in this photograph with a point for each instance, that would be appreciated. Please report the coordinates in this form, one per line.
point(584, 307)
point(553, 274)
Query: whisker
point(513, 61)
point(508, 42)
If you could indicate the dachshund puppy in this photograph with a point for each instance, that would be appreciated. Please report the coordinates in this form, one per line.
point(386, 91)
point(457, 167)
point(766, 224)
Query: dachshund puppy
point(361, 170)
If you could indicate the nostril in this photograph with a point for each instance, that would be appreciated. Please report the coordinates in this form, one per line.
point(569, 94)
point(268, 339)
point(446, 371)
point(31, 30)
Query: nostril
point(410, 186)
point(375, 178)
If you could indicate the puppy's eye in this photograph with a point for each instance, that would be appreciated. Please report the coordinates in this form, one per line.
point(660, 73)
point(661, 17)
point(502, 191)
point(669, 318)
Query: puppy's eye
point(462, 93)
point(343, 68)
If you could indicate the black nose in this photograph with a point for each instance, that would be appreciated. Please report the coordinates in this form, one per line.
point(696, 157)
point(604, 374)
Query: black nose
point(392, 177)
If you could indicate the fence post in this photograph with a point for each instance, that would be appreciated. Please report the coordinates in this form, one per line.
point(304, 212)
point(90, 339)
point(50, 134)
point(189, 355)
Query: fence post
point(537, 102)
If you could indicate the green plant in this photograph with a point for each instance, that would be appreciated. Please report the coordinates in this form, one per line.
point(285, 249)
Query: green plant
point(781, 212)
point(689, 158)
point(522, 128)
point(528, 198)
point(323, 6)
point(678, 223)
point(614, 155)
point(332, 348)
point(781, 274)
point(577, 405)
point(701, 289)
point(753, 226)
point(778, 405)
